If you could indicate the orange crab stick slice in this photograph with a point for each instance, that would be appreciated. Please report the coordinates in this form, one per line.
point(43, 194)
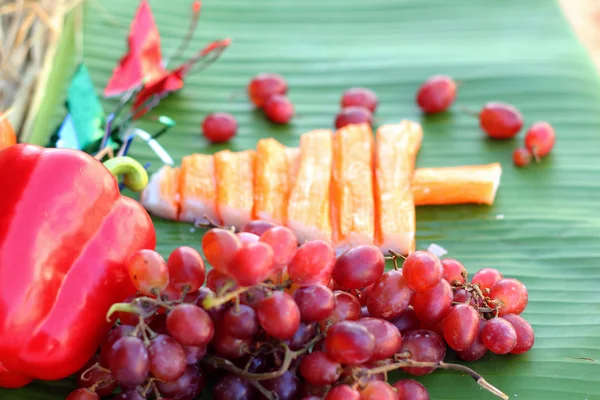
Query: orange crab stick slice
point(457, 185)
point(352, 202)
point(161, 196)
point(271, 181)
point(293, 159)
point(396, 153)
point(235, 186)
point(308, 206)
point(198, 189)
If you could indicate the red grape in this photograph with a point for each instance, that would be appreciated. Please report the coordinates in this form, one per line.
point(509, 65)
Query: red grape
point(216, 280)
point(319, 370)
point(347, 307)
point(342, 392)
point(215, 313)
point(115, 334)
point(513, 295)
point(247, 237)
point(500, 120)
point(240, 322)
point(167, 358)
point(193, 354)
point(525, 335)
point(390, 296)
point(252, 264)
point(219, 247)
point(349, 342)
point(521, 157)
point(233, 387)
point(436, 327)
point(129, 394)
point(284, 243)
point(436, 94)
point(422, 270)
point(455, 272)
point(360, 97)
point(407, 321)
point(359, 267)
point(129, 362)
point(229, 347)
point(148, 272)
point(279, 109)
point(190, 325)
point(312, 263)
point(102, 378)
point(462, 296)
point(486, 278)
point(286, 386)
point(258, 227)
point(219, 127)
point(252, 297)
point(304, 334)
point(279, 315)
point(378, 390)
point(364, 312)
point(499, 336)
point(187, 387)
point(353, 115)
point(387, 337)
point(461, 327)
point(265, 85)
point(540, 139)
point(82, 394)
point(315, 302)
point(423, 346)
point(433, 305)
point(186, 269)
point(477, 348)
point(409, 389)
point(364, 295)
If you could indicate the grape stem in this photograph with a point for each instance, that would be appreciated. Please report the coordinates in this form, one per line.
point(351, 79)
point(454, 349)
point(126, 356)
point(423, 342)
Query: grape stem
point(468, 111)
point(456, 367)
point(268, 395)
point(211, 224)
point(211, 302)
point(395, 257)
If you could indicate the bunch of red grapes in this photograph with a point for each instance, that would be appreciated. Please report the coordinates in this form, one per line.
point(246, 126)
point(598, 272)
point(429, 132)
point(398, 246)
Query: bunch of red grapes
point(279, 320)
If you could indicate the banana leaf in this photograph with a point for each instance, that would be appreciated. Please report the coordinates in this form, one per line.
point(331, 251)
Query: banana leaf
point(544, 228)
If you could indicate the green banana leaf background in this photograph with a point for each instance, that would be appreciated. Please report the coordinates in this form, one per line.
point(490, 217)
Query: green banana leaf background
point(544, 228)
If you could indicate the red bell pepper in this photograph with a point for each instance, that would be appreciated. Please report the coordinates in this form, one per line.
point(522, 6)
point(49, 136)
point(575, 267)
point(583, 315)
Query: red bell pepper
point(65, 233)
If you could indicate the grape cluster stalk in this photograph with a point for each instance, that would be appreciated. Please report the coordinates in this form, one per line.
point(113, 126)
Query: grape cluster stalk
point(274, 319)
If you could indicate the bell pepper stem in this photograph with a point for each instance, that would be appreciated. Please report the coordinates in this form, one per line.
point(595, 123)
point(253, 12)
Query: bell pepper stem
point(136, 177)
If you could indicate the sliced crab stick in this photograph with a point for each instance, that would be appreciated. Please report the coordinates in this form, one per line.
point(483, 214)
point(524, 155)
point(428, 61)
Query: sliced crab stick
point(396, 152)
point(161, 196)
point(235, 186)
point(308, 206)
point(198, 189)
point(271, 181)
point(293, 159)
point(456, 185)
point(352, 202)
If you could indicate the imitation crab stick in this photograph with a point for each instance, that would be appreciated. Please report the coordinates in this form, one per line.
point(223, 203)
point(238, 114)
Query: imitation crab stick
point(271, 181)
point(198, 188)
point(161, 196)
point(396, 153)
point(308, 206)
point(293, 159)
point(456, 185)
point(352, 202)
point(234, 173)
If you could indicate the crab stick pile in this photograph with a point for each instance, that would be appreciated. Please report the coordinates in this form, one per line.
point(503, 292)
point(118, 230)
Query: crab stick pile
point(348, 187)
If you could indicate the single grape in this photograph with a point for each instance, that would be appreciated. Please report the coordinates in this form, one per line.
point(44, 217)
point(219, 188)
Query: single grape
point(422, 270)
point(353, 115)
point(258, 227)
point(215, 313)
point(318, 369)
point(361, 97)
point(167, 358)
point(347, 307)
point(409, 389)
point(500, 120)
point(279, 315)
point(187, 387)
point(407, 321)
point(423, 346)
point(461, 327)
point(486, 278)
point(83, 394)
point(252, 297)
point(513, 295)
point(252, 264)
point(364, 295)
point(190, 325)
point(284, 243)
point(499, 336)
point(525, 335)
point(232, 387)
point(91, 375)
point(390, 296)
point(364, 312)
point(540, 139)
point(219, 127)
point(313, 392)
point(315, 302)
point(229, 347)
point(342, 392)
point(312, 263)
point(193, 354)
point(148, 272)
point(128, 318)
point(115, 334)
point(129, 362)
point(216, 281)
point(436, 327)
point(265, 85)
point(521, 157)
point(287, 386)
point(436, 94)
point(477, 348)
point(247, 237)
point(279, 109)
point(129, 394)
point(455, 272)
point(378, 390)
point(304, 334)
point(219, 247)
point(433, 305)
point(240, 322)
point(349, 342)
point(359, 267)
point(462, 296)
point(387, 337)
point(186, 269)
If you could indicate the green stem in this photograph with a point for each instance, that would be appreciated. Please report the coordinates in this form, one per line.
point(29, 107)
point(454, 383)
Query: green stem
point(136, 177)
